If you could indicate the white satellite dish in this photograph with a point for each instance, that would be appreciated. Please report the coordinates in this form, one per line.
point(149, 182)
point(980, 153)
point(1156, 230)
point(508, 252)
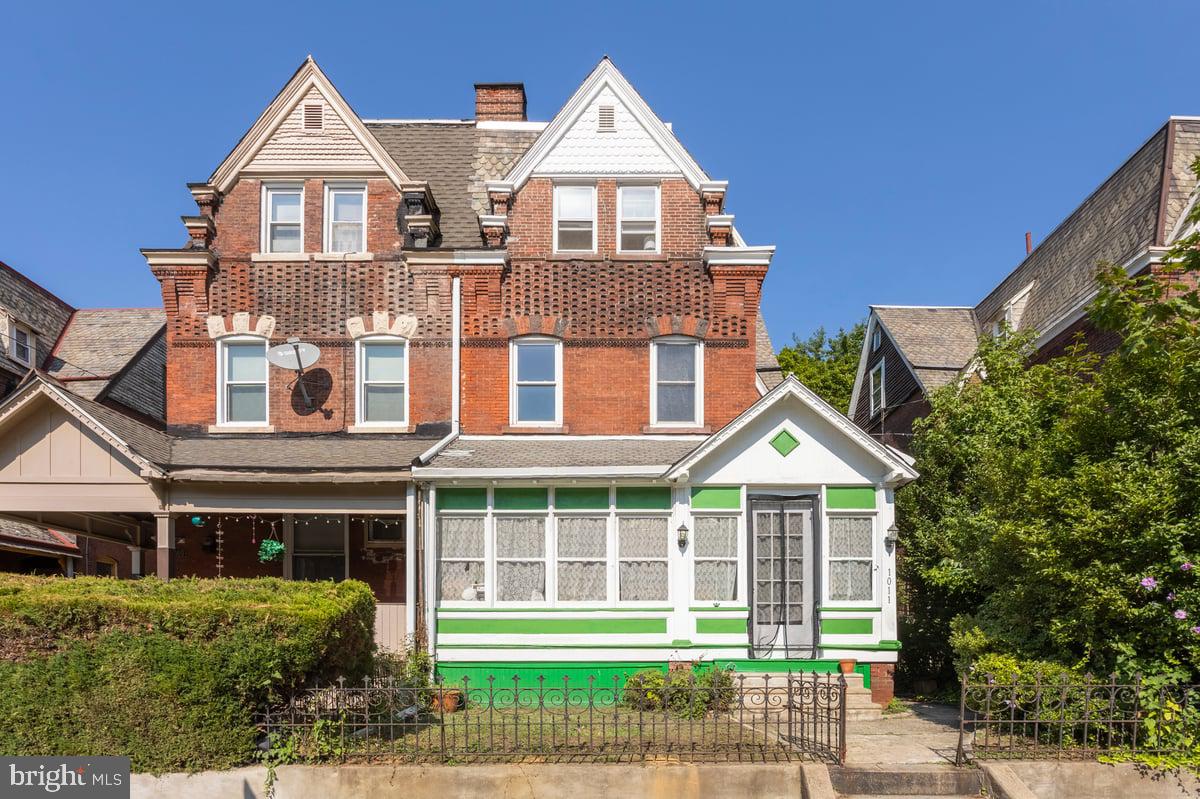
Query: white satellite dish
point(295, 355)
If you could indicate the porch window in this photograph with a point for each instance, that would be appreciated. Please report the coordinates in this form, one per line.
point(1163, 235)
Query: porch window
point(319, 548)
point(637, 207)
point(461, 544)
point(642, 552)
point(582, 558)
point(382, 381)
point(851, 558)
point(676, 377)
point(574, 218)
point(345, 218)
point(877, 394)
point(243, 379)
point(283, 218)
point(387, 531)
point(520, 559)
point(716, 542)
point(536, 397)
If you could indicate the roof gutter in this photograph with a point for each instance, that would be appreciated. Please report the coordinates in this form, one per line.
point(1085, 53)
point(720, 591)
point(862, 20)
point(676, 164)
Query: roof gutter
point(455, 365)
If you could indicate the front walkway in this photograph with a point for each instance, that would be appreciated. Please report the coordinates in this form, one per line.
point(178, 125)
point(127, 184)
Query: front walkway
point(927, 735)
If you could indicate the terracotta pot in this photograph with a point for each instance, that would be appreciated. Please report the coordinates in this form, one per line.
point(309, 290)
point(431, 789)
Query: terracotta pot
point(447, 701)
point(847, 666)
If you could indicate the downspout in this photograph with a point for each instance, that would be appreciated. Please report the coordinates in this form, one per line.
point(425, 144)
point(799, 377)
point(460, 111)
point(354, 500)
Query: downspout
point(455, 365)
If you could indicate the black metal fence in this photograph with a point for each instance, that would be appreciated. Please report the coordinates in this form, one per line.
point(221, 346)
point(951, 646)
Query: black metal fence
point(759, 718)
point(1075, 718)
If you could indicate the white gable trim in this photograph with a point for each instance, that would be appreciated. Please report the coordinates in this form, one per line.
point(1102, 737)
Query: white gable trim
point(38, 387)
point(863, 355)
point(901, 473)
point(308, 76)
point(605, 75)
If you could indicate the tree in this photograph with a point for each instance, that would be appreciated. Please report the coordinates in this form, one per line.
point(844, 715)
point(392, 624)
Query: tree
point(825, 364)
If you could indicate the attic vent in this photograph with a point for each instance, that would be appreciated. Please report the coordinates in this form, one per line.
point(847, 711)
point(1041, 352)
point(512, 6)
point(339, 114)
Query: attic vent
point(313, 116)
point(608, 120)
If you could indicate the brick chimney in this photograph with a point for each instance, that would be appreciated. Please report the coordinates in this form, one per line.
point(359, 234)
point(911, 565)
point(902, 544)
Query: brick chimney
point(500, 101)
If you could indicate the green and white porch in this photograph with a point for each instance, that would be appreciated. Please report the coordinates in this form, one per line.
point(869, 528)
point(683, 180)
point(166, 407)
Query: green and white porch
point(763, 546)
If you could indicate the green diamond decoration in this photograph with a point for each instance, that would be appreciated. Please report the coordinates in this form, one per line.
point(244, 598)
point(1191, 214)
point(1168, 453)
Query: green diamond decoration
point(784, 442)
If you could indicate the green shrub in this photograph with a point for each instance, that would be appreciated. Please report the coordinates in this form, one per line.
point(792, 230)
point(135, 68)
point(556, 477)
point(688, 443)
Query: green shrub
point(169, 674)
point(689, 694)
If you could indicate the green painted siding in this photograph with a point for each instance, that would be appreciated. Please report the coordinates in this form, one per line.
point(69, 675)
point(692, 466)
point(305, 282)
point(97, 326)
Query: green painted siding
point(648, 498)
point(521, 499)
point(462, 498)
point(606, 680)
point(807, 666)
point(850, 498)
point(847, 627)
point(717, 498)
point(555, 626)
point(784, 442)
point(721, 626)
point(581, 498)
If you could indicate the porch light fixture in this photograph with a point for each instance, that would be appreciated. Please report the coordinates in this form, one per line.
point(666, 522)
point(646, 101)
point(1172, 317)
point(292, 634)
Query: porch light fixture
point(892, 537)
point(683, 536)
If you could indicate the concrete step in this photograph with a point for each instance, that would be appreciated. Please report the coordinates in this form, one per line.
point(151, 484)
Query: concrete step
point(913, 780)
point(899, 795)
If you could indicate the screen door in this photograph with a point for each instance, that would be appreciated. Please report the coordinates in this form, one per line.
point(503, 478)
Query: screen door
point(781, 540)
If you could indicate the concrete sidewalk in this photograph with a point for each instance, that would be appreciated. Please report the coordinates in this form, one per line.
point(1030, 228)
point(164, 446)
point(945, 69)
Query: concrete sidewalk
point(928, 735)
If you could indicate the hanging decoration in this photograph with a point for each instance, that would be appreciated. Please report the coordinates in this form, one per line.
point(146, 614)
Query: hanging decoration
point(220, 548)
point(271, 549)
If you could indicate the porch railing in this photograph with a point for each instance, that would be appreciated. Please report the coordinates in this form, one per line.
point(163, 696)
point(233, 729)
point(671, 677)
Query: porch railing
point(758, 718)
point(1075, 718)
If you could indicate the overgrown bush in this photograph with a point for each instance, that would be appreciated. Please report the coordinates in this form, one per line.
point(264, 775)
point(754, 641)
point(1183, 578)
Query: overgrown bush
point(169, 674)
point(682, 691)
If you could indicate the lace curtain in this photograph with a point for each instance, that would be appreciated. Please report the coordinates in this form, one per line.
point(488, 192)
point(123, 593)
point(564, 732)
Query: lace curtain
point(716, 538)
point(582, 559)
point(521, 537)
point(850, 576)
point(460, 540)
point(641, 539)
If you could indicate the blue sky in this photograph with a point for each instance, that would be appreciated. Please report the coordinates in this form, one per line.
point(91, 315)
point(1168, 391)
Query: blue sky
point(894, 152)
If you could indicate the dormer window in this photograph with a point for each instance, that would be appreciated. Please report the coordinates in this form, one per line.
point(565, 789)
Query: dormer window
point(876, 339)
point(877, 393)
point(637, 210)
point(574, 218)
point(242, 381)
point(345, 217)
point(23, 345)
point(283, 217)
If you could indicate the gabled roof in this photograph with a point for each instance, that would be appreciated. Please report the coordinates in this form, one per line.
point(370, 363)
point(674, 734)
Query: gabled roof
point(307, 77)
point(902, 471)
point(36, 539)
point(606, 75)
point(98, 343)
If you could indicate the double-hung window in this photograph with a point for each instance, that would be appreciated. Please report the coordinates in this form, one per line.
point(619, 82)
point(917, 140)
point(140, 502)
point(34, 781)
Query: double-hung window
point(676, 382)
point(22, 345)
point(582, 550)
point(242, 381)
point(520, 558)
point(382, 381)
point(716, 558)
point(877, 395)
point(283, 217)
point(536, 377)
point(637, 210)
point(574, 218)
point(643, 547)
point(345, 218)
point(461, 542)
point(851, 558)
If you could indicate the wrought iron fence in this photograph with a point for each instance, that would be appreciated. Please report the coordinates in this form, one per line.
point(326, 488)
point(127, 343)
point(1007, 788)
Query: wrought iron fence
point(746, 718)
point(1075, 718)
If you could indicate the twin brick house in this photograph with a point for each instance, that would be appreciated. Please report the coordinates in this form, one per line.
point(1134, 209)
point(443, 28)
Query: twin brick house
point(538, 411)
point(1130, 220)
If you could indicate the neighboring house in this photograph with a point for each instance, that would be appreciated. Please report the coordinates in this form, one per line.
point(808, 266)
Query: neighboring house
point(113, 356)
point(539, 414)
point(1130, 220)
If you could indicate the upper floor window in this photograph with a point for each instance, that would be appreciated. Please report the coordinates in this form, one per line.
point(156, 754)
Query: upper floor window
point(877, 395)
point(574, 218)
point(23, 344)
point(345, 218)
point(536, 376)
point(876, 338)
point(283, 217)
point(382, 381)
point(676, 382)
point(637, 213)
point(242, 381)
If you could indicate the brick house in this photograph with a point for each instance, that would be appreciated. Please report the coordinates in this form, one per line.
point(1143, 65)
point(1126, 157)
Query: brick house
point(539, 412)
point(1130, 220)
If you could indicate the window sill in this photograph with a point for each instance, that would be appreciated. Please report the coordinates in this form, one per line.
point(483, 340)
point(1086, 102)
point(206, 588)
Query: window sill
point(343, 256)
point(276, 257)
point(680, 429)
point(241, 428)
point(380, 428)
point(647, 257)
point(535, 429)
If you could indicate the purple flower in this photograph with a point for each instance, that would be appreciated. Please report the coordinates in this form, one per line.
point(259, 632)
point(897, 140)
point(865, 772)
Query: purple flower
point(1196, 630)
point(1149, 583)
point(1181, 614)
point(1171, 597)
point(1187, 566)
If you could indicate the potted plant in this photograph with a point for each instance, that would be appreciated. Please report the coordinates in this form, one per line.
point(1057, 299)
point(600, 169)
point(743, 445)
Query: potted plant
point(847, 666)
point(447, 700)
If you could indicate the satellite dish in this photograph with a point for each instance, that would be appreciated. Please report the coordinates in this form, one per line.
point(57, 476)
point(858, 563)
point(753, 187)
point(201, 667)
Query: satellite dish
point(295, 355)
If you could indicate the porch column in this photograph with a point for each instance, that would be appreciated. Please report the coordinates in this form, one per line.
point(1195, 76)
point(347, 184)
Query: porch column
point(165, 529)
point(135, 561)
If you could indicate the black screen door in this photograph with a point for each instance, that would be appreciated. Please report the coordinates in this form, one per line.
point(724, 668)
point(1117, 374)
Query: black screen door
point(781, 540)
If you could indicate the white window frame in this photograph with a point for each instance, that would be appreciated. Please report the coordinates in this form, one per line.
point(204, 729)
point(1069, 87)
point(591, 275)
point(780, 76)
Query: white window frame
point(30, 344)
point(487, 559)
point(827, 559)
point(608, 560)
point(492, 567)
point(876, 339)
point(739, 587)
point(513, 413)
point(332, 188)
point(223, 383)
point(291, 187)
point(667, 517)
point(698, 419)
point(657, 216)
point(595, 216)
point(360, 380)
point(873, 382)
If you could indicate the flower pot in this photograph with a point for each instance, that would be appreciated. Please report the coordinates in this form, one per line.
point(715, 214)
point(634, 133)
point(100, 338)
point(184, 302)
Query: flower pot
point(447, 701)
point(847, 666)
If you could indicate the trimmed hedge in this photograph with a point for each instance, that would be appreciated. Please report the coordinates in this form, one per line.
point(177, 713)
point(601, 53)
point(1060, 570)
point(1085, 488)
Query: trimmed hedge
point(169, 674)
